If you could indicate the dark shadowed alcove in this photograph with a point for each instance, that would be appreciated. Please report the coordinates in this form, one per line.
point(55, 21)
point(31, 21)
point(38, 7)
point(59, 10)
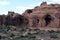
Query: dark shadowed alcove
point(47, 19)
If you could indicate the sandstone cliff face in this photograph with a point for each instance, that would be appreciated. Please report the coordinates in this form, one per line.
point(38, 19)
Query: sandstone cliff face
point(45, 15)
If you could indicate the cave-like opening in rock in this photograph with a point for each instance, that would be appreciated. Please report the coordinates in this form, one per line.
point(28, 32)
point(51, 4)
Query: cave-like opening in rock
point(47, 19)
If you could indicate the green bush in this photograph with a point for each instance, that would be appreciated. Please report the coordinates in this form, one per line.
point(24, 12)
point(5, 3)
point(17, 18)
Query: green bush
point(53, 36)
point(2, 37)
point(12, 35)
point(51, 31)
point(58, 31)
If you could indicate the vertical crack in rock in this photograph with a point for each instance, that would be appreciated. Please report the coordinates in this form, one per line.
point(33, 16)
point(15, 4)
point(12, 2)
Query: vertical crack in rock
point(47, 19)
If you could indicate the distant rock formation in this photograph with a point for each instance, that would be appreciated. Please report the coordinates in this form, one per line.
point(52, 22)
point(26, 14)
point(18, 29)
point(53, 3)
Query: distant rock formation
point(13, 19)
point(45, 15)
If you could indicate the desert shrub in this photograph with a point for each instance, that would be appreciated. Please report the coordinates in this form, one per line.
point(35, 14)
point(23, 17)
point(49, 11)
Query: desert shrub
point(53, 36)
point(36, 29)
point(17, 38)
point(12, 35)
point(30, 35)
point(22, 30)
point(7, 28)
point(51, 31)
point(2, 37)
point(1, 30)
point(58, 31)
point(22, 36)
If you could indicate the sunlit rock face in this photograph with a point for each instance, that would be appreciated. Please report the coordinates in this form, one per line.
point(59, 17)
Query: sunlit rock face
point(45, 15)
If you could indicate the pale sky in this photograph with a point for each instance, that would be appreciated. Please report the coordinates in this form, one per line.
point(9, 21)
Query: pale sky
point(19, 6)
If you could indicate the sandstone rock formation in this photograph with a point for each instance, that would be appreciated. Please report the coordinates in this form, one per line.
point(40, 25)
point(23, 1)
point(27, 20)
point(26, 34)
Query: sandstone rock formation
point(13, 19)
point(45, 15)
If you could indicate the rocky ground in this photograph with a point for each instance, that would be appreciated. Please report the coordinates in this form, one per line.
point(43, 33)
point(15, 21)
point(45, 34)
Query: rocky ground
point(16, 33)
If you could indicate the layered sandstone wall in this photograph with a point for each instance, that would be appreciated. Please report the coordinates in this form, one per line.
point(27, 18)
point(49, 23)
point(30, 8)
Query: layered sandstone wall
point(45, 15)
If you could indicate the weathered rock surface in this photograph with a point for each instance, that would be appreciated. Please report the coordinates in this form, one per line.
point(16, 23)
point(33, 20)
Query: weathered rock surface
point(13, 19)
point(45, 15)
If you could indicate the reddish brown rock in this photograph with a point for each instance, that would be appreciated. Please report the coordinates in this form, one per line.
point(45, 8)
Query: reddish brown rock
point(16, 19)
point(45, 16)
point(2, 19)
